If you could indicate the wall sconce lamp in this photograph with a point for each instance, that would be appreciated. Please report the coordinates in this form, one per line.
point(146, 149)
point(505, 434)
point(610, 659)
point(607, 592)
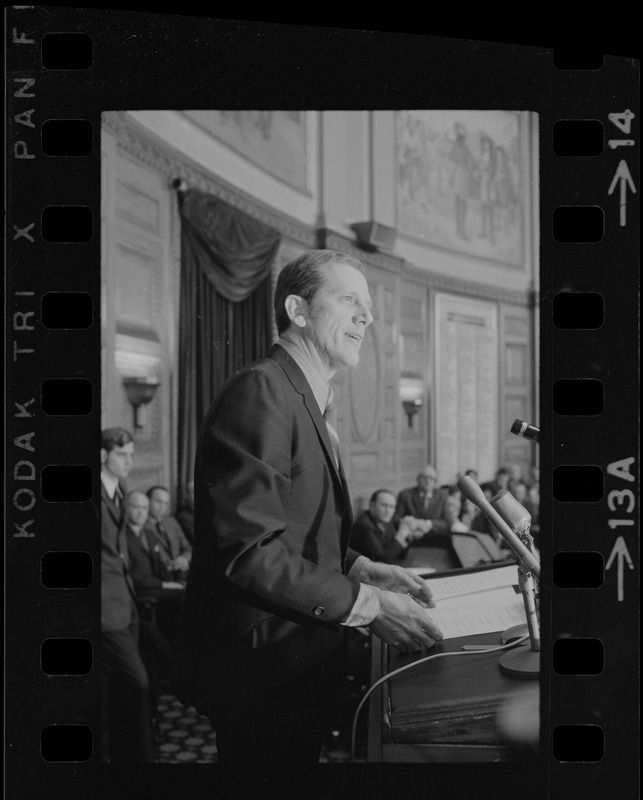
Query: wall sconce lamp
point(140, 392)
point(411, 391)
point(412, 407)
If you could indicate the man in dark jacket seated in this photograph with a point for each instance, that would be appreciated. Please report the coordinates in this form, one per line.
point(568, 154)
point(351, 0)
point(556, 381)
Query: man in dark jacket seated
point(375, 535)
point(425, 501)
point(148, 569)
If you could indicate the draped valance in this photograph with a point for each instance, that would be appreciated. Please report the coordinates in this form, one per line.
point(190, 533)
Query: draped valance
point(233, 250)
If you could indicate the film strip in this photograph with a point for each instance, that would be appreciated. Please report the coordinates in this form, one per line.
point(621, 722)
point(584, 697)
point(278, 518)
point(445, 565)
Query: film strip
point(67, 66)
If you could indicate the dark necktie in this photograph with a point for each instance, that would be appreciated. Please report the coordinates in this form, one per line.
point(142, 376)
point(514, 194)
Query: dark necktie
point(162, 533)
point(330, 417)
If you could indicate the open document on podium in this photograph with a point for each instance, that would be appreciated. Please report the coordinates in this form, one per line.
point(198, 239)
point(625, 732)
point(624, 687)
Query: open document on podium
point(477, 602)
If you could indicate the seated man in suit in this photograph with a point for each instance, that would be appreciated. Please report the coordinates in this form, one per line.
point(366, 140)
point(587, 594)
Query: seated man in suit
point(426, 502)
point(176, 550)
point(375, 534)
point(148, 570)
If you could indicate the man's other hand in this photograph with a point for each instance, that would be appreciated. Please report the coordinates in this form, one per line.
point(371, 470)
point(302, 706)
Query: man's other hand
point(403, 624)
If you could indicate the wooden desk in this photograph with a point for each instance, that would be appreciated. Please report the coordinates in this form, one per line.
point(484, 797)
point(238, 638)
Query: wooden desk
point(447, 710)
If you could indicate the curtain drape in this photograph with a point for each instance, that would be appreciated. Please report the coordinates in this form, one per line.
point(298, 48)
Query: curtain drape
point(225, 307)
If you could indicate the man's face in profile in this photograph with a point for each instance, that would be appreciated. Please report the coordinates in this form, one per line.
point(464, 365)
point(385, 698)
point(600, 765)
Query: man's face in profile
point(338, 316)
point(118, 461)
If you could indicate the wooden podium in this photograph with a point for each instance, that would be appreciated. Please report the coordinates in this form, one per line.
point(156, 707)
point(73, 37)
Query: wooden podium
point(455, 708)
point(448, 709)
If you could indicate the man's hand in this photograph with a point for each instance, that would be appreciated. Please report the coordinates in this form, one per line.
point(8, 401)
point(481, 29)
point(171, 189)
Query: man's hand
point(397, 579)
point(171, 585)
point(403, 624)
point(181, 563)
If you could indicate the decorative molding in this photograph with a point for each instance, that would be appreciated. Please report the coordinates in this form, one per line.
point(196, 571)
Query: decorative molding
point(165, 159)
point(143, 146)
point(432, 280)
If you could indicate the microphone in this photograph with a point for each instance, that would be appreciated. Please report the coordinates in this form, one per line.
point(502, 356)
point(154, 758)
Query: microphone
point(513, 513)
point(511, 518)
point(527, 431)
point(473, 492)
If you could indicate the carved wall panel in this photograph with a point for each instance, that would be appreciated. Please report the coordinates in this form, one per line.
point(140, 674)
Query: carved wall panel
point(517, 382)
point(139, 304)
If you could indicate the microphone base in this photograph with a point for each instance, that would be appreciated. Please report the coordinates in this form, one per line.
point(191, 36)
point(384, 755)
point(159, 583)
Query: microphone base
point(522, 663)
point(515, 632)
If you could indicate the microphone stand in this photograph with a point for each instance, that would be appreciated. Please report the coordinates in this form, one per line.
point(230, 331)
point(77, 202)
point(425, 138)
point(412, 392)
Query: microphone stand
point(523, 661)
point(513, 522)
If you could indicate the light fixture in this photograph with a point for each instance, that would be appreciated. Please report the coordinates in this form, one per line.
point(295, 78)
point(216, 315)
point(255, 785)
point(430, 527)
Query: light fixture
point(140, 392)
point(411, 391)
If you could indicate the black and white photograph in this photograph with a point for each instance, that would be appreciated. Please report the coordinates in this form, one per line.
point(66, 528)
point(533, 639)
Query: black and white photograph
point(214, 223)
point(321, 406)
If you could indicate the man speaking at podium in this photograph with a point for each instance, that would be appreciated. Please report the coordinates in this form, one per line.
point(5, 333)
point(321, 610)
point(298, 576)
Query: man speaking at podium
point(273, 579)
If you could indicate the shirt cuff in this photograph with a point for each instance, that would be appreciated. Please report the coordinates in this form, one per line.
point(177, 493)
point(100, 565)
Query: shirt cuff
point(366, 608)
point(358, 565)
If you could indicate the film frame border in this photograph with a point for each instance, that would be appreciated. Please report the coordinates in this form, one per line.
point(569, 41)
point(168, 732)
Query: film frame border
point(37, 182)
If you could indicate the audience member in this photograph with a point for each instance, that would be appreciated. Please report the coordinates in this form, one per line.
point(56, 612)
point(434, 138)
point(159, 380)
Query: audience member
point(176, 550)
point(500, 481)
point(126, 682)
point(452, 509)
point(425, 502)
point(148, 569)
point(375, 534)
point(185, 514)
point(519, 490)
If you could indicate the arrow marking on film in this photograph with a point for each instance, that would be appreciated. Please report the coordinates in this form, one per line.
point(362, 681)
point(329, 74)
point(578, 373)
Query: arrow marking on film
point(623, 177)
point(620, 552)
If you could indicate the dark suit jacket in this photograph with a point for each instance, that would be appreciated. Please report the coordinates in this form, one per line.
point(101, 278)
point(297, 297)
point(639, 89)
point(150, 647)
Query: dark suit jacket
point(118, 600)
point(146, 565)
point(175, 542)
point(410, 503)
point(272, 524)
point(377, 544)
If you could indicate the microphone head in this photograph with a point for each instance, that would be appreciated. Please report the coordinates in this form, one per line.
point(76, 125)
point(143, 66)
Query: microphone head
point(471, 490)
point(513, 513)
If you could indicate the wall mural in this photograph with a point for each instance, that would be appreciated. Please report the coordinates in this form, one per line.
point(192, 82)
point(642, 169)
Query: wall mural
point(459, 182)
point(273, 140)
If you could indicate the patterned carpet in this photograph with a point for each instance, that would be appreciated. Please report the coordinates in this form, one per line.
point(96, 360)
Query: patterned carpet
point(183, 735)
point(186, 737)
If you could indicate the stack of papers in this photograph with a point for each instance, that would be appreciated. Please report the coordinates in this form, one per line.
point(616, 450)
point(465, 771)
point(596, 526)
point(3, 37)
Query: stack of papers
point(477, 602)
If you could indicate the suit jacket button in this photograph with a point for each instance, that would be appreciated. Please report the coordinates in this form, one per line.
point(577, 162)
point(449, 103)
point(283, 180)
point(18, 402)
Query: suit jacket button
point(318, 611)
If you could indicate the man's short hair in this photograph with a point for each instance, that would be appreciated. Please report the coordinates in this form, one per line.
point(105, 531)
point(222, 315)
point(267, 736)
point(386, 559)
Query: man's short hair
point(378, 492)
point(153, 489)
point(303, 277)
point(115, 437)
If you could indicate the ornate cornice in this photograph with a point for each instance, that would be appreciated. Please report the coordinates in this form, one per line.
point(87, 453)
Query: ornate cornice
point(144, 146)
point(432, 280)
point(165, 159)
